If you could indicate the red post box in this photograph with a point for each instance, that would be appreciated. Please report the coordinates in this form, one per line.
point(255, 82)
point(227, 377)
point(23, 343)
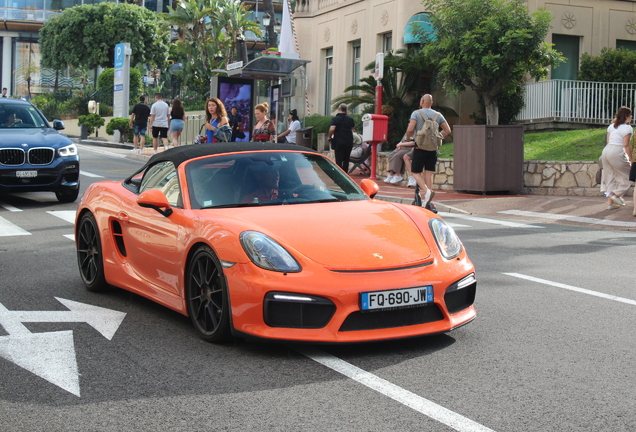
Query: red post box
point(375, 127)
point(374, 130)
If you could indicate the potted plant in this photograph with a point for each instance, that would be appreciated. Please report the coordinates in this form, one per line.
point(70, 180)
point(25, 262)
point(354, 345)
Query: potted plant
point(91, 122)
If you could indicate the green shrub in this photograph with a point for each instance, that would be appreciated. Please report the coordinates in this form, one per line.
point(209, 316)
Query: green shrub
point(120, 124)
point(106, 80)
point(92, 122)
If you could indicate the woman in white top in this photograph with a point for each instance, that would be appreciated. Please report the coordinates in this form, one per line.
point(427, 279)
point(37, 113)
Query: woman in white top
point(616, 159)
point(294, 125)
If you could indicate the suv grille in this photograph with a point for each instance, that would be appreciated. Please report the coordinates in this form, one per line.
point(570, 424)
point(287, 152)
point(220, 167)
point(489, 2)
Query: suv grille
point(12, 156)
point(41, 156)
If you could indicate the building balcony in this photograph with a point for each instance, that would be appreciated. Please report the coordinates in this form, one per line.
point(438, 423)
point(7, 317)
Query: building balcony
point(25, 18)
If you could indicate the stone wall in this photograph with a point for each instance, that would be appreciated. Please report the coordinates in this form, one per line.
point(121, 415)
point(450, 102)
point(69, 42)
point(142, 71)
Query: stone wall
point(539, 177)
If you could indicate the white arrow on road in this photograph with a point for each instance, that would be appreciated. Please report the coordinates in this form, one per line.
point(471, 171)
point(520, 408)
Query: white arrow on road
point(51, 355)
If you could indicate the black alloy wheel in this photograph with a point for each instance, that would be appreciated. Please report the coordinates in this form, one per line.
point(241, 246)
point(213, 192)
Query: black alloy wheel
point(89, 254)
point(206, 296)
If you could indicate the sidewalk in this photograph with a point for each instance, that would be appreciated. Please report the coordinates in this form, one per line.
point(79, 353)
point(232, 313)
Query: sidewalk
point(569, 210)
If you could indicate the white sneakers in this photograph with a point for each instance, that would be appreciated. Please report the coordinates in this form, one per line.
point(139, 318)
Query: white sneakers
point(393, 179)
point(617, 200)
point(428, 197)
point(411, 182)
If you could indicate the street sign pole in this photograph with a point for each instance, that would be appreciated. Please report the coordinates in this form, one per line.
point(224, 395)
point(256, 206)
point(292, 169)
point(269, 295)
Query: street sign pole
point(121, 90)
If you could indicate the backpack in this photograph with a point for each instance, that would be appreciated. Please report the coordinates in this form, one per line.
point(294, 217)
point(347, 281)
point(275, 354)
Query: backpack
point(429, 137)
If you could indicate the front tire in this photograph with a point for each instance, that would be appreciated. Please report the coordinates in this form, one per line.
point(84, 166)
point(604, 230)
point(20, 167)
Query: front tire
point(89, 254)
point(206, 297)
point(67, 195)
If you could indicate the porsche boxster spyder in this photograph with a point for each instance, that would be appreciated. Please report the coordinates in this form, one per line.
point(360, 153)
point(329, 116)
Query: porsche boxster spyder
point(274, 242)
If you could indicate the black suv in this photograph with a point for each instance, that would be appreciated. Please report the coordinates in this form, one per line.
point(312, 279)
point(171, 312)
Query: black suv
point(34, 156)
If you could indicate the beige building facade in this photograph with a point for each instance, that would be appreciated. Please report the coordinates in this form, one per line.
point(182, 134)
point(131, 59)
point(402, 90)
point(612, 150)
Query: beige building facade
point(340, 37)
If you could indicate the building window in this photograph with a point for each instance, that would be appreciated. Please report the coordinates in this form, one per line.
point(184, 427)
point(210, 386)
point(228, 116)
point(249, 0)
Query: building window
point(626, 44)
point(328, 79)
point(387, 42)
point(355, 67)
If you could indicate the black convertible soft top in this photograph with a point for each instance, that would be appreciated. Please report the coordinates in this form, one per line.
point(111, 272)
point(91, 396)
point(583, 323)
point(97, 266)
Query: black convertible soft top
point(180, 154)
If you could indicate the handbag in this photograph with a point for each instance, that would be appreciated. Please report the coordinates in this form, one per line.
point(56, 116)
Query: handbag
point(240, 134)
point(200, 139)
point(223, 133)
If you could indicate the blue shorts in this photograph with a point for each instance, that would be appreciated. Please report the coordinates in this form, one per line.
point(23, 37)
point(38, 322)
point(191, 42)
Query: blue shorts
point(176, 125)
point(139, 130)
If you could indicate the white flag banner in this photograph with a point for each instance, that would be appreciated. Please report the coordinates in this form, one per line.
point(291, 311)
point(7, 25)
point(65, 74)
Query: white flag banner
point(287, 44)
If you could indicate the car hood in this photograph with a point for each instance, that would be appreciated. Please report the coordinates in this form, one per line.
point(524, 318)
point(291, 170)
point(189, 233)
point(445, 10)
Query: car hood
point(352, 235)
point(36, 137)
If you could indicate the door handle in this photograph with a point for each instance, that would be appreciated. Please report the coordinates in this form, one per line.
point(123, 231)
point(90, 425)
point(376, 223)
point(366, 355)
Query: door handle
point(124, 217)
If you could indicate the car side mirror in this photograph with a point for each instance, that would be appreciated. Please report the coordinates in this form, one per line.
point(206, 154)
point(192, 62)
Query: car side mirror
point(370, 187)
point(155, 199)
point(58, 124)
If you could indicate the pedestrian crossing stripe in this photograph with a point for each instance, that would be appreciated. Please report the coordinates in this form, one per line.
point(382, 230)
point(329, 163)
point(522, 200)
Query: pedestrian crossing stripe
point(9, 229)
point(586, 220)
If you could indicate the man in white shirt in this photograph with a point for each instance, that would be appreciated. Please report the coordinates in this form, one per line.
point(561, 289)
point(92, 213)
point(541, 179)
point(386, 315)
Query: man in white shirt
point(159, 122)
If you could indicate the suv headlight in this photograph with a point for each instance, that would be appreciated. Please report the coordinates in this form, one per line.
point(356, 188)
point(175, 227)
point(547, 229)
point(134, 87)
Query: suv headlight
point(266, 253)
point(69, 150)
point(447, 241)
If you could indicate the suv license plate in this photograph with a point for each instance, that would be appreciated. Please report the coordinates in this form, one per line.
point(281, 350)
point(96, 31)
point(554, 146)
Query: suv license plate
point(398, 298)
point(23, 174)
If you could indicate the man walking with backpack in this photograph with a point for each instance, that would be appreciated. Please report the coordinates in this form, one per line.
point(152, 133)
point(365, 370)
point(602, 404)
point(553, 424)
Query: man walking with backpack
point(425, 160)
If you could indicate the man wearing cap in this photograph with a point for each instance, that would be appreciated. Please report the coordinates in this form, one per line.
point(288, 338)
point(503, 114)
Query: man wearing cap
point(341, 137)
point(293, 125)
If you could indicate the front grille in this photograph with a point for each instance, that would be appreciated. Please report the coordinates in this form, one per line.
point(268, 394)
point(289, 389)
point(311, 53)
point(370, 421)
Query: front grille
point(315, 313)
point(392, 318)
point(14, 157)
point(460, 299)
point(41, 156)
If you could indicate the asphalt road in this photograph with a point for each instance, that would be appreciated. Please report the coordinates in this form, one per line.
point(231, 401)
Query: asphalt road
point(552, 348)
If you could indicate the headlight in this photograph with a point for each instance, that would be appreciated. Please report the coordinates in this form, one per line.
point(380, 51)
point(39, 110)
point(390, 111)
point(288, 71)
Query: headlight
point(447, 241)
point(267, 254)
point(69, 150)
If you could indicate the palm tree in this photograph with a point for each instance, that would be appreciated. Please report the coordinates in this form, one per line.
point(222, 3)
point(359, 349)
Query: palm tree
point(401, 84)
point(233, 16)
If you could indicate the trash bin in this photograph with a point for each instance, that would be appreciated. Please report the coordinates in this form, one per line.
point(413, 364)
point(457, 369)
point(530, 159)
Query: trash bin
point(303, 136)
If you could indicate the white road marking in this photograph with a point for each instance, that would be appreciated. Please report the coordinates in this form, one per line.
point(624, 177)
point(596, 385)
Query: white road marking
point(456, 225)
point(67, 215)
point(87, 174)
point(100, 151)
point(586, 220)
point(70, 236)
point(486, 220)
point(9, 207)
point(8, 229)
point(405, 397)
point(51, 355)
point(573, 288)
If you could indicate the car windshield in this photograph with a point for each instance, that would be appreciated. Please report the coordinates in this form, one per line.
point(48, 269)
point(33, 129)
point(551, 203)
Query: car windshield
point(267, 178)
point(20, 116)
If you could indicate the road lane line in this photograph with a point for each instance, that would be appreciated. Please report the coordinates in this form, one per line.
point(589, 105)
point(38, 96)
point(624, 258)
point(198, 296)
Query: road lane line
point(67, 215)
point(9, 207)
point(100, 151)
point(8, 229)
point(586, 220)
point(87, 174)
point(573, 288)
point(405, 397)
point(488, 221)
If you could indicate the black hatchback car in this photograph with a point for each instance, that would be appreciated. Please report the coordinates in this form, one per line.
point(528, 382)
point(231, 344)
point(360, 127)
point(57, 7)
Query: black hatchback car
point(34, 156)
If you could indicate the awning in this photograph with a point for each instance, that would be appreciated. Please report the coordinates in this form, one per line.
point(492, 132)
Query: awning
point(268, 67)
point(423, 23)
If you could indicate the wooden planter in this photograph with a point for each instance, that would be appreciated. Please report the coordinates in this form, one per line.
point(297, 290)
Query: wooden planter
point(488, 158)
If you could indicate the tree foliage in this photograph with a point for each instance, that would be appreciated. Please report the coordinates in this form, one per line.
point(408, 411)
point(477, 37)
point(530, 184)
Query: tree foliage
point(486, 44)
point(85, 36)
point(611, 66)
point(207, 32)
point(106, 81)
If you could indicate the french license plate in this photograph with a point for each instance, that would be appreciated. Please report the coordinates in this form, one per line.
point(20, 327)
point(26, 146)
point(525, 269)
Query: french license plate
point(397, 298)
point(23, 174)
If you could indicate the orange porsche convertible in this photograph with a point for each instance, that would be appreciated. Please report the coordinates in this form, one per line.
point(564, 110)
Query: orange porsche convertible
point(275, 242)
